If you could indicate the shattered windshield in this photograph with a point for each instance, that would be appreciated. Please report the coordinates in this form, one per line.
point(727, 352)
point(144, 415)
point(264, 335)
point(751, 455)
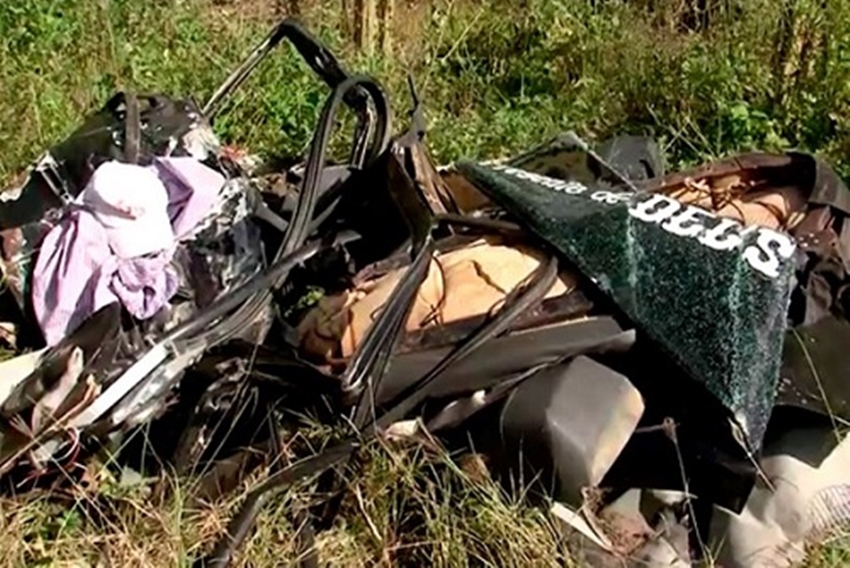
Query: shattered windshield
point(714, 294)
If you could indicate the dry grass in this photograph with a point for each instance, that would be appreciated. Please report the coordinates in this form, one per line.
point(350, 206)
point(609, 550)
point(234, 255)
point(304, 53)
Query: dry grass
point(407, 506)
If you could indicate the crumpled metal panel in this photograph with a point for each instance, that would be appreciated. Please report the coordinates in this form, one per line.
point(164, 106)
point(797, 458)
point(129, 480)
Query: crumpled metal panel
point(711, 293)
point(227, 247)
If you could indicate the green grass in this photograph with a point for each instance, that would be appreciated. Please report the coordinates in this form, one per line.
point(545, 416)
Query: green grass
point(496, 76)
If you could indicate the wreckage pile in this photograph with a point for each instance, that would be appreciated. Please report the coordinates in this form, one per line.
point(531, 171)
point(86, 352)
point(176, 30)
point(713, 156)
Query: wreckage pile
point(660, 353)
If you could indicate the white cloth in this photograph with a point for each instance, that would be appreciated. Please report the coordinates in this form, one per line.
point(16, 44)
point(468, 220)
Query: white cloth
point(131, 203)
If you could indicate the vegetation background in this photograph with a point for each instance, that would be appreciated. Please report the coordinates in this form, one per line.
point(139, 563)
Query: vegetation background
point(706, 77)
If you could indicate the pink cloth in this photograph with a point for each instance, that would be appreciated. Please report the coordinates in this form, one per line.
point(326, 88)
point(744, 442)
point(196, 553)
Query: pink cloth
point(77, 273)
point(189, 185)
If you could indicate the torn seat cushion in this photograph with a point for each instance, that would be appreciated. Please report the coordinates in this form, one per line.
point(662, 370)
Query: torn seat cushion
point(461, 284)
point(745, 188)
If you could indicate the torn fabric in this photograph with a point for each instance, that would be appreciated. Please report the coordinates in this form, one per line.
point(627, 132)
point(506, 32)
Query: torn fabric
point(117, 244)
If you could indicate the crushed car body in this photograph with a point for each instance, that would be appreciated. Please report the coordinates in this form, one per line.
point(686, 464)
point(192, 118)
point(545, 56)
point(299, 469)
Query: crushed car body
point(659, 355)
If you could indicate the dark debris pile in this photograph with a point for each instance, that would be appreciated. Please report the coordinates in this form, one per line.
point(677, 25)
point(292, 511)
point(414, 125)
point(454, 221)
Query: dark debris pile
point(661, 353)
